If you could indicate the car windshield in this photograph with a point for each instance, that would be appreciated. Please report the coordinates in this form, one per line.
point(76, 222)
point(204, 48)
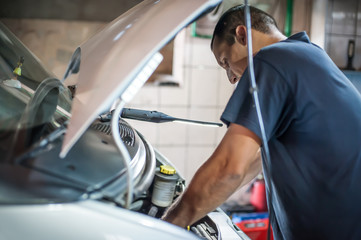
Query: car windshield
point(33, 103)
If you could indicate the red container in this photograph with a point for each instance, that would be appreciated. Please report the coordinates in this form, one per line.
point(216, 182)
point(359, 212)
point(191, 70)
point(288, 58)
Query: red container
point(258, 196)
point(255, 229)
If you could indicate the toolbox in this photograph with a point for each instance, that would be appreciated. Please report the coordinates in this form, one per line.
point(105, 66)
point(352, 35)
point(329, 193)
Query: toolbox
point(254, 225)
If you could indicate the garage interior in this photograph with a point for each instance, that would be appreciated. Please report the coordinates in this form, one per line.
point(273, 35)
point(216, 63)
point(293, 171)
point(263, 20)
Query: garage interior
point(53, 29)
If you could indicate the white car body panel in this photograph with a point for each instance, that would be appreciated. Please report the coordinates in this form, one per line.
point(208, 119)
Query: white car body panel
point(83, 220)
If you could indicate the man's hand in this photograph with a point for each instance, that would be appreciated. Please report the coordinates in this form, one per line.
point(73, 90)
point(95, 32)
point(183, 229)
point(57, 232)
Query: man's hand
point(235, 162)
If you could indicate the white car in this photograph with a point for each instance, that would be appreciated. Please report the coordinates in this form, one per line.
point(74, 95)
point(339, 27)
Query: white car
point(66, 172)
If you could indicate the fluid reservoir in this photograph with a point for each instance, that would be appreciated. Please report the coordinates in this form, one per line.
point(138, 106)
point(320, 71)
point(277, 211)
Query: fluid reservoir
point(164, 185)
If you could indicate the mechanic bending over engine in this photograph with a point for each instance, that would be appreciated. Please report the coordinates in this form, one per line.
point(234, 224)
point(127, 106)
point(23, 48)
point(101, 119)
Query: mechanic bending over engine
point(312, 117)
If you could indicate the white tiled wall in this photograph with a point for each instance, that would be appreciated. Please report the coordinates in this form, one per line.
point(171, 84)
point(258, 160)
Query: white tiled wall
point(203, 86)
point(195, 158)
point(201, 54)
point(343, 23)
point(203, 95)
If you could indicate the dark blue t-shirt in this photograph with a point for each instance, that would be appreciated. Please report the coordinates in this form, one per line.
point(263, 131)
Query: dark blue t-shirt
point(312, 117)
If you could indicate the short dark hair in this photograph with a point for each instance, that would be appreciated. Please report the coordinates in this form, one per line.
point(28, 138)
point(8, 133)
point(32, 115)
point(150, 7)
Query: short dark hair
point(233, 17)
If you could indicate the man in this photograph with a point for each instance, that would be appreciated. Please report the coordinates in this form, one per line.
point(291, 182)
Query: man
point(312, 117)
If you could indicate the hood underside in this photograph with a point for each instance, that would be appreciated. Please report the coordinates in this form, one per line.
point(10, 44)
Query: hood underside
point(111, 60)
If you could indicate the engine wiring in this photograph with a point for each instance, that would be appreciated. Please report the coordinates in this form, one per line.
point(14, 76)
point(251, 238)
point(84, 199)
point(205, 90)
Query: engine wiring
point(254, 92)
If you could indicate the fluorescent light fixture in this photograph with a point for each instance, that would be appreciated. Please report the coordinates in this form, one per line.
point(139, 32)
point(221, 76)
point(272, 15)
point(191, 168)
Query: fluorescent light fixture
point(142, 77)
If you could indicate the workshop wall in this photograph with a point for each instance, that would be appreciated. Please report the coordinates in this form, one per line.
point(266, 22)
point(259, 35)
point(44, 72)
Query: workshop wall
point(343, 23)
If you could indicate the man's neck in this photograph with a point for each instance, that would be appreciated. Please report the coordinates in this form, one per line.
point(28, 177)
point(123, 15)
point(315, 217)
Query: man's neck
point(261, 40)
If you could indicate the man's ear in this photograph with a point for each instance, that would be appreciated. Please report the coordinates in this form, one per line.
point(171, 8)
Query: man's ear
point(241, 34)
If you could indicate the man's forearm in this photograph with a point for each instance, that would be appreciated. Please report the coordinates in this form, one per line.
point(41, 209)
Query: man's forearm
point(254, 169)
point(235, 162)
point(198, 200)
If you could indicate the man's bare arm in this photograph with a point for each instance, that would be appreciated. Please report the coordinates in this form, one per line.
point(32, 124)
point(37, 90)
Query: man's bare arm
point(235, 162)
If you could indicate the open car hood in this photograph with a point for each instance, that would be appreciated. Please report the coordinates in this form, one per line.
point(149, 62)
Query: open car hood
point(111, 60)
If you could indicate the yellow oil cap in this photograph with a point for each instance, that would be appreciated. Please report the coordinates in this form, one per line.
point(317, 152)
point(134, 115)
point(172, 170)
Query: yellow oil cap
point(166, 169)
